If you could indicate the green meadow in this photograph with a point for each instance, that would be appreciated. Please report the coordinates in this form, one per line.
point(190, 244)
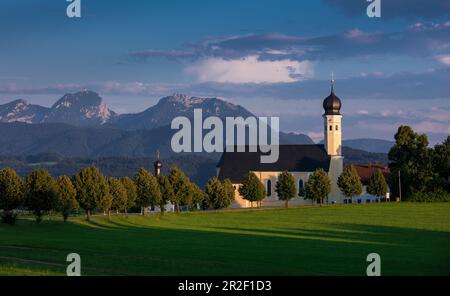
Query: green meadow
point(411, 238)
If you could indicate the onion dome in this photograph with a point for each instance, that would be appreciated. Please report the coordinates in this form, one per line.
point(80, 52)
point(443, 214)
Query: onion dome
point(332, 104)
point(157, 164)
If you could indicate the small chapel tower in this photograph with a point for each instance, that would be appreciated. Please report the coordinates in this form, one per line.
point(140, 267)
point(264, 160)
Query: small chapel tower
point(157, 165)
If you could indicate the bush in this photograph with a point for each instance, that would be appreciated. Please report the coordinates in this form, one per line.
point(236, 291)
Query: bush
point(435, 196)
point(9, 217)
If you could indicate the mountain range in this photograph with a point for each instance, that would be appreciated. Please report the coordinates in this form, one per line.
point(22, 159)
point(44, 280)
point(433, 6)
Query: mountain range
point(87, 108)
point(170, 107)
point(82, 125)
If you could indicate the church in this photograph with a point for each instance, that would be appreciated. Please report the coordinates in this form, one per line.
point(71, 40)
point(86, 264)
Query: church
point(300, 160)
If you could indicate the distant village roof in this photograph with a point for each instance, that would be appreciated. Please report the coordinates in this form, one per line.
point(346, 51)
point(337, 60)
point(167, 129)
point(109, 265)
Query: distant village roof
point(366, 170)
point(293, 158)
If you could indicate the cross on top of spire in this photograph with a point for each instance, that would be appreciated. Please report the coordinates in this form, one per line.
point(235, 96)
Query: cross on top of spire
point(332, 82)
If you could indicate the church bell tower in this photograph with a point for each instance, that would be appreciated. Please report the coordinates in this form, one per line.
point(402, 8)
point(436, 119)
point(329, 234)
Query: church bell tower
point(332, 123)
point(332, 119)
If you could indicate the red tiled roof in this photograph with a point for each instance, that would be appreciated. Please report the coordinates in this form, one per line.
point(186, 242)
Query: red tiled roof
point(366, 170)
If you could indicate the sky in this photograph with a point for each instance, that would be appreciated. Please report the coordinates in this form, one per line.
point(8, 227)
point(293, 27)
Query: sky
point(272, 57)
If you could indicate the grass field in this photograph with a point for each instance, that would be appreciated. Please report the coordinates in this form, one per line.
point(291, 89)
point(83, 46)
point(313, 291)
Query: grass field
point(412, 239)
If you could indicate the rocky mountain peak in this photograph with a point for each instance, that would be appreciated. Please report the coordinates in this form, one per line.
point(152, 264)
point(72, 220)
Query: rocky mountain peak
point(21, 111)
point(81, 108)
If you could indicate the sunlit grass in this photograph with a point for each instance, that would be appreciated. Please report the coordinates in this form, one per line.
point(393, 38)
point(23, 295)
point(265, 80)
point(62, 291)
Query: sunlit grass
point(411, 239)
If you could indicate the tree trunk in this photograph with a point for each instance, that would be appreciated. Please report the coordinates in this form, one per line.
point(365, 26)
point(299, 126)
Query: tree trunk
point(109, 214)
point(38, 214)
point(126, 213)
point(286, 205)
point(88, 215)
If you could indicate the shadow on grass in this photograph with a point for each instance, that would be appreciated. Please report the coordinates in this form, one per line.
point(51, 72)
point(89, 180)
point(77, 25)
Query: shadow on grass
point(124, 247)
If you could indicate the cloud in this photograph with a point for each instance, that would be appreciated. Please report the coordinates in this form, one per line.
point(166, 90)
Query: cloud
point(432, 127)
point(423, 39)
point(395, 8)
point(170, 54)
point(103, 87)
point(408, 88)
point(444, 59)
point(400, 86)
point(250, 69)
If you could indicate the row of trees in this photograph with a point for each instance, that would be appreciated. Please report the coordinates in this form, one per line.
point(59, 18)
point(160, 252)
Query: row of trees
point(316, 189)
point(91, 191)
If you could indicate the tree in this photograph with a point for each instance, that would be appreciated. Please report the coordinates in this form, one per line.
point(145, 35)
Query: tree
point(181, 188)
point(229, 192)
point(199, 198)
point(67, 194)
point(148, 190)
point(219, 194)
point(252, 189)
point(216, 194)
point(40, 193)
point(92, 190)
point(411, 157)
point(441, 165)
point(119, 195)
point(318, 186)
point(105, 204)
point(11, 194)
point(131, 189)
point(349, 182)
point(167, 193)
point(285, 187)
point(377, 184)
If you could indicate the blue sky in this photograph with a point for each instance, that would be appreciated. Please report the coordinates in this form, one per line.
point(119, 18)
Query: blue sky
point(272, 57)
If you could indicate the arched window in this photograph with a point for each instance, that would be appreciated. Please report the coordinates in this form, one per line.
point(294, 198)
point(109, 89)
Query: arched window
point(331, 127)
point(269, 188)
point(300, 184)
point(337, 127)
